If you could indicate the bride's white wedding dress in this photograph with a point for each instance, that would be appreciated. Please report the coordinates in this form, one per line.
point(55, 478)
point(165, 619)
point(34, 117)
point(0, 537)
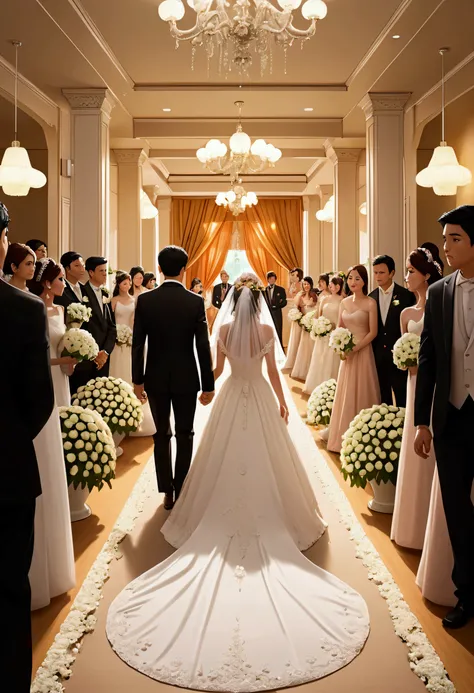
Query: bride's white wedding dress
point(238, 607)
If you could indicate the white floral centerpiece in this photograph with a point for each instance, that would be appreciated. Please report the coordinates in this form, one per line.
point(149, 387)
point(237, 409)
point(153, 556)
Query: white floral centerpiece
point(124, 335)
point(322, 326)
point(406, 351)
point(371, 446)
point(342, 341)
point(306, 321)
point(79, 344)
point(294, 315)
point(320, 404)
point(89, 451)
point(77, 314)
point(114, 400)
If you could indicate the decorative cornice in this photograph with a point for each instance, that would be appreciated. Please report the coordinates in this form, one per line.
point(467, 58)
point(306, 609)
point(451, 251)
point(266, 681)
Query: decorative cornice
point(152, 191)
point(338, 155)
point(375, 103)
point(130, 156)
point(90, 99)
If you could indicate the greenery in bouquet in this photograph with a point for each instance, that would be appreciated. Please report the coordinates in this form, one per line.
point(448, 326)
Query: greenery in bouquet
point(322, 326)
point(371, 446)
point(89, 450)
point(294, 315)
point(320, 404)
point(306, 321)
point(77, 314)
point(124, 335)
point(342, 341)
point(406, 351)
point(114, 400)
point(79, 344)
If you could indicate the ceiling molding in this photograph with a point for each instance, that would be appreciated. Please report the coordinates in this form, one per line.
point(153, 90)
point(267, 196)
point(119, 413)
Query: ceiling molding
point(30, 99)
point(190, 154)
point(375, 103)
point(268, 128)
point(449, 75)
point(225, 86)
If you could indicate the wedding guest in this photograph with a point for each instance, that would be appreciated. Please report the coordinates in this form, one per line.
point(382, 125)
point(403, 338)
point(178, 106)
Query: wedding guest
point(325, 362)
point(221, 290)
point(27, 379)
point(323, 285)
point(357, 383)
point(296, 277)
point(40, 248)
point(308, 303)
point(149, 281)
point(101, 324)
point(275, 296)
point(445, 397)
point(20, 265)
point(74, 267)
point(123, 307)
point(391, 300)
point(52, 568)
point(415, 476)
point(196, 286)
point(138, 277)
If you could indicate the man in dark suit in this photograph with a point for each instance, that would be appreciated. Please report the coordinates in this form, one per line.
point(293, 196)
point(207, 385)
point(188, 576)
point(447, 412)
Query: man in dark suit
point(74, 267)
point(174, 321)
point(445, 397)
point(26, 378)
point(221, 290)
point(275, 297)
point(101, 324)
point(391, 300)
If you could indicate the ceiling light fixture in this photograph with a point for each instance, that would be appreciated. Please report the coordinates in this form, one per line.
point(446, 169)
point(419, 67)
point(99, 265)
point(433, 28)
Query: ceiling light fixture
point(244, 156)
point(396, 36)
point(147, 209)
point(327, 213)
point(237, 199)
point(235, 28)
point(443, 173)
point(17, 175)
point(167, 110)
point(308, 110)
point(363, 209)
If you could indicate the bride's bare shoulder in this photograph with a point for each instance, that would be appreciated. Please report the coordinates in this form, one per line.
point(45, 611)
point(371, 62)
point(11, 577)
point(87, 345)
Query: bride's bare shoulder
point(267, 332)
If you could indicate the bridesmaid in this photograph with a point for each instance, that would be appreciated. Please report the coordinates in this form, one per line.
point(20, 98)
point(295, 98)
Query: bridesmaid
point(20, 265)
point(123, 306)
point(415, 476)
point(323, 286)
point(137, 275)
point(357, 385)
point(149, 281)
point(295, 293)
point(296, 277)
point(308, 303)
point(324, 361)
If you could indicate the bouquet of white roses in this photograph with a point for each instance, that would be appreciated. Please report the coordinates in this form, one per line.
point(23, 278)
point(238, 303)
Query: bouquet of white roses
point(321, 327)
point(124, 335)
point(306, 321)
point(342, 341)
point(79, 344)
point(294, 315)
point(371, 446)
point(77, 314)
point(89, 450)
point(406, 350)
point(114, 400)
point(320, 404)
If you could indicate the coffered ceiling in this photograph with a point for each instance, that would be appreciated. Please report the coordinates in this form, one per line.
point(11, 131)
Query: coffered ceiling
point(124, 46)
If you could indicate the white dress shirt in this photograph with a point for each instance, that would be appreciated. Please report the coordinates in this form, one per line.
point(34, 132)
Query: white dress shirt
point(76, 288)
point(385, 299)
point(98, 292)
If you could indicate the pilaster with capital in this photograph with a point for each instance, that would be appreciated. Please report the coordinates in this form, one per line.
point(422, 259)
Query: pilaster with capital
point(129, 227)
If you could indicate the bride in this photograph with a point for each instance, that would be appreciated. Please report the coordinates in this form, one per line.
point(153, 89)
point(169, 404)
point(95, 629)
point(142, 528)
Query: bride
point(238, 607)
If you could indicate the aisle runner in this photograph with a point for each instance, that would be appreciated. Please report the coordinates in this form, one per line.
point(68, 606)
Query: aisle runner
point(383, 665)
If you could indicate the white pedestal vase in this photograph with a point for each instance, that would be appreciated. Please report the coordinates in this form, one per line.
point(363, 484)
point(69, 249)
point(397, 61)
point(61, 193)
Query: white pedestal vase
point(78, 507)
point(118, 437)
point(324, 434)
point(384, 497)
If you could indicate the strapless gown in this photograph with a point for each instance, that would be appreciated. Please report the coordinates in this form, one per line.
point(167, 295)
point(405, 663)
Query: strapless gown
point(293, 344)
point(415, 476)
point(305, 349)
point(325, 362)
point(357, 385)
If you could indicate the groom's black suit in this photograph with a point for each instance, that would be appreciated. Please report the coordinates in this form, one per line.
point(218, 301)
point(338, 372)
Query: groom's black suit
point(452, 430)
point(68, 297)
point(26, 380)
point(174, 321)
point(276, 303)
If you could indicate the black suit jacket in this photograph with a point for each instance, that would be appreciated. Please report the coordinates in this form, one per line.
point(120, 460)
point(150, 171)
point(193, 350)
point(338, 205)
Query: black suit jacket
point(27, 385)
point(174, 320)
point(434, 362)
point(101, 324)
point(388, 334)
point(68, 297)
point(279, 298)
point(216, 295)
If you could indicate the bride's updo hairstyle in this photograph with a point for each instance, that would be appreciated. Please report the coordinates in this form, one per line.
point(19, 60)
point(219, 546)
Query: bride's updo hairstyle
point(422, 260)
point(46, 271)
point(252, 283)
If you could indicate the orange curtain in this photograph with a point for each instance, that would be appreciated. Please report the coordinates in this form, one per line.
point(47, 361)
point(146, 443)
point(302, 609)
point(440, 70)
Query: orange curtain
point(261, 261)
point(195, 224)
point(211, 262)
point(278, 227)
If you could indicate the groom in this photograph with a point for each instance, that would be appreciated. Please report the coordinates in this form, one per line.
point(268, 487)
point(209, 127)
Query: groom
point(445, 383)
point(174, 322)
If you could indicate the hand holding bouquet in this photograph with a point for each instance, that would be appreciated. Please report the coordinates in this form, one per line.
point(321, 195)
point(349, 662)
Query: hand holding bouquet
point(79, 344)
point(342, 341)
point(294, 315)
point(406, 350)
point(77, 314)
point(306, 321)
point(124, 335)
point(321, 327)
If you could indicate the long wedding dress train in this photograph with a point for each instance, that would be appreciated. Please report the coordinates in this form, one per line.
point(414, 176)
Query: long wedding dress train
point(238, 607)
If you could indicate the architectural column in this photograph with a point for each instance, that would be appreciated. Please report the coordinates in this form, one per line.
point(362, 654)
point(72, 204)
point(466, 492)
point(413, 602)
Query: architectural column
point(346, 213)
point(150, 235)
point(384, 114)
point(129, 223)
point(90, 117)
point(164, 223)
point(326, 232)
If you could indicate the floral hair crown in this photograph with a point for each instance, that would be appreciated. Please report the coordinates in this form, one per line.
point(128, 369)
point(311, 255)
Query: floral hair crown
point(250, 281)
point(427, 253)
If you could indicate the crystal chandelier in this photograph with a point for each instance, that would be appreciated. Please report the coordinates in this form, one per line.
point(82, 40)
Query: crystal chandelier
point(327, 213)
point(237, 199)
point(17, 175)
point(443, 173)
point(235, 27)
point(242, 157)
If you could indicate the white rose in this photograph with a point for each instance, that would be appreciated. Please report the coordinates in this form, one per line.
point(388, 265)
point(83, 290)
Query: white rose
point(378, 465)
point(363, 457)
point(362, 472)
point(372, 457)
point(369, 467)
point(383, 411)
point(383, 455)
point(67, 445)
point(89, 465)
point(398, 444)
point(350, 468)
point(112, 464)
point(79, 444)
point(97, 469)
point(359, 448)
point(73, 434)
point(382, 434)
point(393, 456)
point(122, 423)
point(73, 471)
point(353, 457)
point(389, 467)
point(392, 434)
point(82, 457)
point(85, 473)
point(71, 457)
point(99, 448)
point(94, 456)
point(80, 426)
point(396, 423)
point(106, 469)
point(357, 465)
point(366, 439)
point(387, 445)
point(376, 416)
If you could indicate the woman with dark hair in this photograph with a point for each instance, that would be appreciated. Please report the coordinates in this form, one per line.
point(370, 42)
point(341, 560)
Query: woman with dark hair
point(149, 281)
point(52, 568)
point(137, 275)
point(415, 475)
point(308, 303)
point(357, 384)
point(19, 265)
point(323, 285)
point(196, 286)
point(296, 277)
point(434, 250)
point(324, 361)
point(40, 248)
point(123, 306)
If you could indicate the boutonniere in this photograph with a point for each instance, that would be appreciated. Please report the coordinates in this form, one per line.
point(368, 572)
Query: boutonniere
point(85, 299)
point(395, 302)
point(105, 300)
point(105, 291)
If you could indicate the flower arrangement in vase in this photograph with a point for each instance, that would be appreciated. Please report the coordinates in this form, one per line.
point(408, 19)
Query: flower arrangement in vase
point(320, 404)
point(114, 400)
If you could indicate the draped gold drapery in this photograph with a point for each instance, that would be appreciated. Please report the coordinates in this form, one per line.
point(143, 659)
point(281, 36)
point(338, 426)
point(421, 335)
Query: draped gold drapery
point(258, 257)
point(195, 225)
point(278, 227)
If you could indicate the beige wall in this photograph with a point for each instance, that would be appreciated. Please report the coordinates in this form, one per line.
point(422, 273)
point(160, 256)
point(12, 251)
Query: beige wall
point(113, 219)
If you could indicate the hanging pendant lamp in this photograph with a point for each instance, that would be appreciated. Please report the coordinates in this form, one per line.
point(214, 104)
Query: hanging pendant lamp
point(443, 173)
point(17, 175)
